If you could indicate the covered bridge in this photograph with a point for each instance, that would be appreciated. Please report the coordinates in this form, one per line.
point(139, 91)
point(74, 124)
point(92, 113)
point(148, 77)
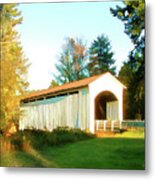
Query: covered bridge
point(80, 104)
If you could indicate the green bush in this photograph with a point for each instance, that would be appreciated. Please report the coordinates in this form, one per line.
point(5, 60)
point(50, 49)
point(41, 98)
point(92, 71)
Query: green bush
point(58, 136)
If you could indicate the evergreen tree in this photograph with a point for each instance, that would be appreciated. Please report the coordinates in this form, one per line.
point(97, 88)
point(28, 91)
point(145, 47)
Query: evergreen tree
point(72, 62)
point(126, 76)
point(13, 64)
point(101, 56)
point(132, 14)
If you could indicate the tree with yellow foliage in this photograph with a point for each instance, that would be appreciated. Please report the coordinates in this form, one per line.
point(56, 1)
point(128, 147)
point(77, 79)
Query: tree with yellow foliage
point(13, 63)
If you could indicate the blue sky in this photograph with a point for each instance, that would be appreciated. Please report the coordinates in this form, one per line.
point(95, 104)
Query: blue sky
point(45, 25)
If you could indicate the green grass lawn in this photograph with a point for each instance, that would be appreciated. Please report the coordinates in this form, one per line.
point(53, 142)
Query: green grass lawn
point(102, 153)
point(132, 133)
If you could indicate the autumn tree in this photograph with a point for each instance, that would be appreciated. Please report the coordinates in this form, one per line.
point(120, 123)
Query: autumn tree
point(132, 14)
point(101, 56)
point(13, 64)
point(71, 65)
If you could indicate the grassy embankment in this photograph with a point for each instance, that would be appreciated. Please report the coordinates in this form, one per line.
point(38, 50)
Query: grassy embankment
point(124, 151)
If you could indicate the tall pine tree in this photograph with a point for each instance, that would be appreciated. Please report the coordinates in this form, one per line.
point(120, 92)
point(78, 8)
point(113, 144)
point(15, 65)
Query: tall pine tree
point(101, 56)
point(13, 65)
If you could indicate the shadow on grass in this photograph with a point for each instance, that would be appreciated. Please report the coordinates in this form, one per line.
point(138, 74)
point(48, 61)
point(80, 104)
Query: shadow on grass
point(24, 159)
point(13, 156)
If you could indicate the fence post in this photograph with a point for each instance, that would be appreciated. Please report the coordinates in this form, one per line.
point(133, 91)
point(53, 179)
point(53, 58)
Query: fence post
point(96, 125)
point(104, 122)
point(120, 124)
point(112, 125)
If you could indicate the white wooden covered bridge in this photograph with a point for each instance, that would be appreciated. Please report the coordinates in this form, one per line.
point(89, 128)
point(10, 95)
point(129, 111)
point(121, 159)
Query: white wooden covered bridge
point(86, 104)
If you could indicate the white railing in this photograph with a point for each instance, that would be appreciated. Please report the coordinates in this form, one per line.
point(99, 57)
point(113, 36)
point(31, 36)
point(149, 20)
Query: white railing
point(102, 124)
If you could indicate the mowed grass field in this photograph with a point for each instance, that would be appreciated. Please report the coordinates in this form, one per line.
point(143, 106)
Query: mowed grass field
point(121, 152)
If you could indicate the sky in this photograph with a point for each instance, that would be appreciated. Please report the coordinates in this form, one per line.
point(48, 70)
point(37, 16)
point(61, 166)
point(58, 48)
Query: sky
point(46, 25)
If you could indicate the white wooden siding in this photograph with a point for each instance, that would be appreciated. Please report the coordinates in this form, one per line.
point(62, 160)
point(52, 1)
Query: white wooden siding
point(70, 110)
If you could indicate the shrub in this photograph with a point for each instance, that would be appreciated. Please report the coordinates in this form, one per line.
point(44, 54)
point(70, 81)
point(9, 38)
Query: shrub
point(58, 136)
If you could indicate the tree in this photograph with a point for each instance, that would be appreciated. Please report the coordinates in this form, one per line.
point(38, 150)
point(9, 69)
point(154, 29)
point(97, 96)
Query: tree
point(133, 17)
point(72, 62)
point(126, 76)
point(101, 56)
point(53, 84)
point(13, 65)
